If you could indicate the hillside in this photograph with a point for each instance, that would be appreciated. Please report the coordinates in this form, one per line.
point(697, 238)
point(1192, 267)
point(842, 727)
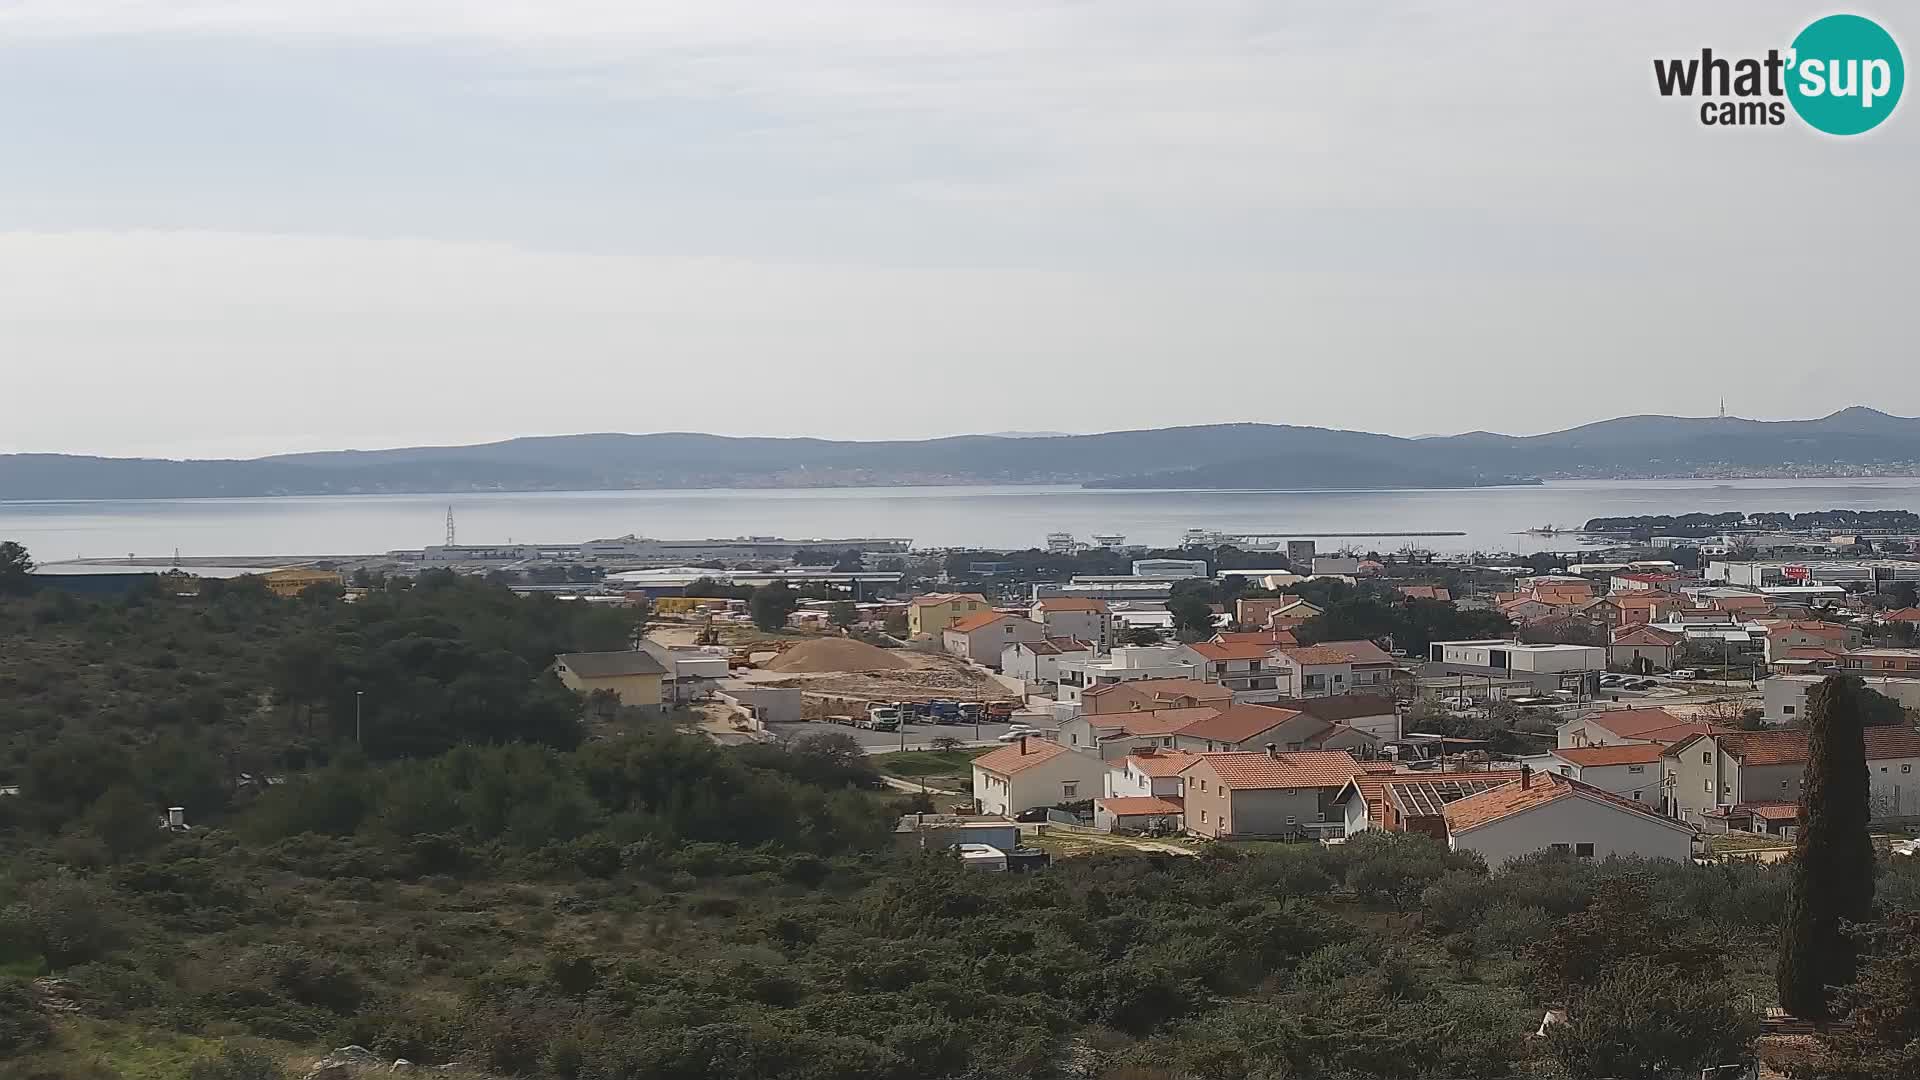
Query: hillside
point(1207, 456)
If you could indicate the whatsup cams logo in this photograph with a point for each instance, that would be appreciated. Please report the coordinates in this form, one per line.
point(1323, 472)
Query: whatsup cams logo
point(1842, 75)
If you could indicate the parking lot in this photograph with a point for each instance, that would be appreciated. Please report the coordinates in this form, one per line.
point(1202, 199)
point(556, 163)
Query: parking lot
point(909, 737)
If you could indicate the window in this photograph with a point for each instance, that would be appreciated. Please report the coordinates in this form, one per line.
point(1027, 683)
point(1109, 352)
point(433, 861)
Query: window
point(1584, 851)
point(1706, 786)
point(1566, 770)
point(1706, 757)
point(1203, 817)
point(1788, 709)
point(1068, 791)
point(1636, 769)
point(1906, 768)
point(1561, 849)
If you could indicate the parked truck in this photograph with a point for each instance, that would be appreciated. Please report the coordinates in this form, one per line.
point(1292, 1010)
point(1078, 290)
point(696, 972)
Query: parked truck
point(881, 718)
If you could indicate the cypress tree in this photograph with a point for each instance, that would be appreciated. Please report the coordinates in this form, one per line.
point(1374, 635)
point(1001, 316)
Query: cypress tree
point(1832, 878)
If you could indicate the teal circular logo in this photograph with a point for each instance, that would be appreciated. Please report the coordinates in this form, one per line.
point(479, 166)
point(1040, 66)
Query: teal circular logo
point(1846, 74)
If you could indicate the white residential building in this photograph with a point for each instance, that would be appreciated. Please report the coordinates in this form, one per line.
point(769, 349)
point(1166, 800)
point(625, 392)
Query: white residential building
point(1031, 772)
point(1038, 662)
point(1077, 618)
point(1520, 657)
point(1560, 813)
point(1129, 663)
point(1630, 770)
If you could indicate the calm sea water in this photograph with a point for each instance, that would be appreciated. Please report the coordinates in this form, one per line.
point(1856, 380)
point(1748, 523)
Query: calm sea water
point(998, 517)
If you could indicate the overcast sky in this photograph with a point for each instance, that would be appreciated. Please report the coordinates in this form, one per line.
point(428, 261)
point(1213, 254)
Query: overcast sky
point(232, 228)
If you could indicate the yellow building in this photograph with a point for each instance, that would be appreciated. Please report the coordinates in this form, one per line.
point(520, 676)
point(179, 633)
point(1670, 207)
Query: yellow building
point(930, 615)
point(634, 675)
point(293, 580)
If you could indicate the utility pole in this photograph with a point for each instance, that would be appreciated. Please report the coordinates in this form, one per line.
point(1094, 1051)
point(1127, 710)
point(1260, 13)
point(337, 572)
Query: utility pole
point(357, 695)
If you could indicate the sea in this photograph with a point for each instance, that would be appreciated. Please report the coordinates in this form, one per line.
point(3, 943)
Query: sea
point(1488, 520)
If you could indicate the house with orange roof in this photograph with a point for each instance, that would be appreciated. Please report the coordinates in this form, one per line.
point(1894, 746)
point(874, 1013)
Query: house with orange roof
point(928, 615)
point(1612, 727)
point(1426, 592)
point(1248, 668)
point(1710, 773)
point(1785, 636)
point(1037, 663)
point(1381, 797)
point(1808, 661)
point(1075, 617)
point(1148, 771)
point(1908, 615)
point(1141, 695)
point(1139, 813)
point(1265, 793)
point(1644, 648)
point(1338, 667)
point(1270, 637)
point(1558, 813)
point(983, 637)
point(1033, 772)
point(1113, 736)
point(1376, 714)
point(1630, 770)
point(1646, 607)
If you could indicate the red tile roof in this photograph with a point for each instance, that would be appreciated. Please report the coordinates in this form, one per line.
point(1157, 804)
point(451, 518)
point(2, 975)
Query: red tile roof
point(1542, 788)
point(1270, 637)
point(1256, 771)
point(1635, 723)
point(1164, 689)
point(1317, 654)
point(1161, 762)
point(1338, 706)
point(1151, 721)
point(1772, 811)
point(1018, 756)
point(1054, 646)
point(1135, 805)
point(1426, 592)
point(1625, 754)
point(1905, 614)
point(1238, 723)
point(935, 599)
point(1376, 786)
point(1236, 650)
point(978, 620)
point(1789, 746)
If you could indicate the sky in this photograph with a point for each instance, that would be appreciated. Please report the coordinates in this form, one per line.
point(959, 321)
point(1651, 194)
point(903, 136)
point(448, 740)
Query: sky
point(239, 227)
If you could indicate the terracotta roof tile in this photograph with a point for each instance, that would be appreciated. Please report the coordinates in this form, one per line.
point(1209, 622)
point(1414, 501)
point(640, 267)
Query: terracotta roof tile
point(1648, 635)
point(978, 620)
point(1317, 654)
point(936, 599)
point(1237, 650)
point(1239, 723)
point(1150, 721)
point(1624, 754)
point(1260, 771)
point(1772, 811)
point(1019, 756)
point(1161, 762)
point(1336, 707)
point(1164, 689)
point(1633, 723)
point(1496, 803)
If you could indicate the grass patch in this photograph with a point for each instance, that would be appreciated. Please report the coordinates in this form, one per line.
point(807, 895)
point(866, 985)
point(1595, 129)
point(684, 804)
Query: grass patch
point(127, 1051)
point(917, 764)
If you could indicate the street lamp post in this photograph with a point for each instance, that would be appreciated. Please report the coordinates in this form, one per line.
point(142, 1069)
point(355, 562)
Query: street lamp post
point(357, 696)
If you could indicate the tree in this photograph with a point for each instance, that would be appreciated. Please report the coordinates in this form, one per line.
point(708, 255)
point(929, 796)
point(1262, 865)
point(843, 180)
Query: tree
point(771, 605)
point(15, 568)
point(1906, 594)
point(843, 613)
point(1642, 1021)
point(1140, 635)
point(1883, 1005)
point(1833, 870)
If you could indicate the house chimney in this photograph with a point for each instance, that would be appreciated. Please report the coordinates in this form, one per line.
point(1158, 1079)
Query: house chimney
point(176, 817)
point(1526, 776)
point(1023, 745)
point(1273, 751)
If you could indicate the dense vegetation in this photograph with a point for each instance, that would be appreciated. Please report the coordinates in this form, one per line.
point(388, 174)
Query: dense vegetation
point(482, 884)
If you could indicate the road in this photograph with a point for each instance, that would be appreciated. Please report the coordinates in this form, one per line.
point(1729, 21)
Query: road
point(910, 737)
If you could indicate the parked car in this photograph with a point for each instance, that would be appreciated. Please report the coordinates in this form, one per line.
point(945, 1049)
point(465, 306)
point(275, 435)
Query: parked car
point(1457, 703)
point(1612, 680)
point(1016, 735)
point(1684, 673)
point(1031, 814)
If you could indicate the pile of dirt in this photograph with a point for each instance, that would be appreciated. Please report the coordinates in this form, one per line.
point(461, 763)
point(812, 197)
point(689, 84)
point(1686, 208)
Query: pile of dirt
point(835, 654)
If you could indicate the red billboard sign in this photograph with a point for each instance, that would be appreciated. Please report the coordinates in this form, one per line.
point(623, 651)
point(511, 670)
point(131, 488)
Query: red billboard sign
point(1795, 573)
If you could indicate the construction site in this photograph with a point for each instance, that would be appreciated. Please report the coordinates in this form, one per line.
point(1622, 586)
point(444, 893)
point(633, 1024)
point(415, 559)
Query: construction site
point(841, 675)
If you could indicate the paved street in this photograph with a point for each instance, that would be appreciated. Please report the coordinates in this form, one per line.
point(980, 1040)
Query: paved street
point(910, 737)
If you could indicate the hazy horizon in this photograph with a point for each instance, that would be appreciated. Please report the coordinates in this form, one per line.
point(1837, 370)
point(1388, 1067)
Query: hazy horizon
point(233, 230)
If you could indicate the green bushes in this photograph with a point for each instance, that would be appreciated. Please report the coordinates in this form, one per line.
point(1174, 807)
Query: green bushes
point(23, 1027)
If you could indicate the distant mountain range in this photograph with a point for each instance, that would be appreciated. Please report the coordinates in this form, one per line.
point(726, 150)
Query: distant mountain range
point(1855, 440)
